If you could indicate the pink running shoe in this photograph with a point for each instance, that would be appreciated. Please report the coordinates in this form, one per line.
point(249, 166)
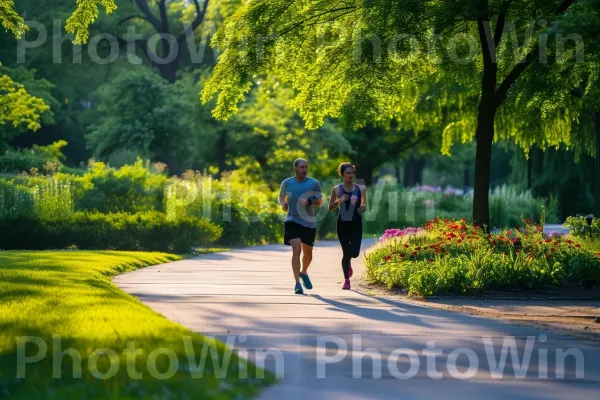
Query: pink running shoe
point(346, 284)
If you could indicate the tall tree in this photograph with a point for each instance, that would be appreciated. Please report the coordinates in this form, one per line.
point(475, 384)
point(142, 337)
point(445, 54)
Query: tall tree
point(360, 64)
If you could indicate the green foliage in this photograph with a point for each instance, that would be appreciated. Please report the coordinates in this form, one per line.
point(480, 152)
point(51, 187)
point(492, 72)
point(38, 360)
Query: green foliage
point(145, 231)
point(262, 140)
point(11, 20)
point(44, 159)
point(392, 207)
point(86, 13)
point(456, 257)
point(136, 112)
point(246, 212)
point(18, 107)
point(580, 228)
point(130, 189)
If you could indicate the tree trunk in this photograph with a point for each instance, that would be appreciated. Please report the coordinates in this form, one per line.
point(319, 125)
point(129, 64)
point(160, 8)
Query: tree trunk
point(366, 173)
point(529, 166)
point(597, 165)
point(407, 173)
point(222, 151)
point(418, 171)
point(483, 161)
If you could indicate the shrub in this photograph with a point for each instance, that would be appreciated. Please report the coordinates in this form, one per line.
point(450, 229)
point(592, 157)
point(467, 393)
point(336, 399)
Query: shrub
point(147, 231)
point(130, 189)
point(247, 214)
point(454, 256)
point(580, 227)
point(42, 159)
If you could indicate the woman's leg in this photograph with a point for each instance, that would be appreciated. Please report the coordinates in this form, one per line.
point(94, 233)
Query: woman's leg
point(343, 234)
point(356, 233)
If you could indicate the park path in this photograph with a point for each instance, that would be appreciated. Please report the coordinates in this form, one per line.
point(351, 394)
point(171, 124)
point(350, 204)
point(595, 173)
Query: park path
point(246, 296)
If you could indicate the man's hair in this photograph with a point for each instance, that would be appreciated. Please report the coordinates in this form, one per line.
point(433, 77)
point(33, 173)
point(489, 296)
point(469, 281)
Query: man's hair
point(298, 162)
point(343, 166)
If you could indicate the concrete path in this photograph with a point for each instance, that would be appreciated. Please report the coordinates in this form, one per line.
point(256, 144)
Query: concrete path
point(331, 342)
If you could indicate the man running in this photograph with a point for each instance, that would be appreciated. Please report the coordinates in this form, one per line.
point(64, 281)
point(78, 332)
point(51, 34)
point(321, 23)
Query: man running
point(298, 196)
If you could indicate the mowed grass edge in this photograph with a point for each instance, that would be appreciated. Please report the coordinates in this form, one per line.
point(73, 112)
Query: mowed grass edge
point(60, 300)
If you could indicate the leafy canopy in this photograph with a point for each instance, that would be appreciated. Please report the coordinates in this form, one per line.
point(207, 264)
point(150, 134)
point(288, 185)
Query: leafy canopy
point(419, 62)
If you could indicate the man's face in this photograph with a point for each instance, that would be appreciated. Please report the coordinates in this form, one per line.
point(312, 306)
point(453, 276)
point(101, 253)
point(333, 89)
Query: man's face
point(302, 169)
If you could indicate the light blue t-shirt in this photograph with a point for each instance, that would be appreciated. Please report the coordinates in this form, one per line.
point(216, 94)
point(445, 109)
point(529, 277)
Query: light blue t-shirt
point(296, 190)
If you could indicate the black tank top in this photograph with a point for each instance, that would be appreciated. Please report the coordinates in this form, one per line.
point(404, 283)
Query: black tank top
point(346, 210)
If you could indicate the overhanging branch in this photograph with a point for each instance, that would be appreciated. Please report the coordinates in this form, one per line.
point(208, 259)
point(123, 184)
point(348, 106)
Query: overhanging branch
point(197, 21)
point(143, 5)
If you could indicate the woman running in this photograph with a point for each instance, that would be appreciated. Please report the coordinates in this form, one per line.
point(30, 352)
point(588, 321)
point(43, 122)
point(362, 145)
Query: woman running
point(351, 201)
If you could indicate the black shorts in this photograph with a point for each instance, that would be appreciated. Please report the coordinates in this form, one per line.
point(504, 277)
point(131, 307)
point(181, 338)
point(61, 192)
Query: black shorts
point(294, 230)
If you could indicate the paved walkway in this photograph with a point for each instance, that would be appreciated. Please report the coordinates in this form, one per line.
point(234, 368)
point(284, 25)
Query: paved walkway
point(247, 296)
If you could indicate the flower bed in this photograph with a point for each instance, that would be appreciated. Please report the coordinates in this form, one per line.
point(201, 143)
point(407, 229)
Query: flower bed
point(457, 257)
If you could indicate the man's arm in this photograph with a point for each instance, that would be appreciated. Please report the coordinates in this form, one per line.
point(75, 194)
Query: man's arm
point(283, 197)
point(317, 199)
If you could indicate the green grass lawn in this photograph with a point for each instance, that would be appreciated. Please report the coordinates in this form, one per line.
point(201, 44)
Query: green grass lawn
point(70, 293)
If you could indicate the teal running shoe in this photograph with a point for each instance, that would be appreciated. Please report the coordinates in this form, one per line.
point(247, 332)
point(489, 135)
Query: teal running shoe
point(306, 281)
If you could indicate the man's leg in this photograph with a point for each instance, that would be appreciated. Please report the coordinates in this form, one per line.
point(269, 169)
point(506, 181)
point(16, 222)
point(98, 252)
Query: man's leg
point(296, 250)
point(306, 257)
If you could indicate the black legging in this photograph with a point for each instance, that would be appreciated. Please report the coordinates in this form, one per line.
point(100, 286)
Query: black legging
point(350, 236)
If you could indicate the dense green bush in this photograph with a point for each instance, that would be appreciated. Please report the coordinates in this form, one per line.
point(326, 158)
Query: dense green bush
point(130, 189)
point(579, 227)
point(39, 159)
point(147, 231)
point(248, 214)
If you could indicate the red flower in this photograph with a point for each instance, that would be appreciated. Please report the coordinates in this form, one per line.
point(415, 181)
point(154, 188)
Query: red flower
point(577, 245)
point(547, 255)
point(553, 249)
point(515, 240)
point(597, 254)
point(528, 221)
point(476, 226)
point(430, 260)
point(501, 237)
point(387, 258)
point(509, 233)
point(548, 240)
point(418, 248)
point(401, 255)
point(556, 243)
point(437, 250)
point(569, 241)
point(406, 245)
point(459, 240)
point(446, 220)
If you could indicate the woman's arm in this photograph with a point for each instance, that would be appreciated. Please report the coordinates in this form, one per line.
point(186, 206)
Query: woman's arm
point(333, 199)
point(363, 202)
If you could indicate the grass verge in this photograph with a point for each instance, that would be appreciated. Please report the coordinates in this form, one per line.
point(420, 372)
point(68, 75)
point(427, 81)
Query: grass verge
point(121, 349)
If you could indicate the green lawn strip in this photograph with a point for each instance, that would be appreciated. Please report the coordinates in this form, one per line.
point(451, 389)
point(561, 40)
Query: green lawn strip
point(70, 293)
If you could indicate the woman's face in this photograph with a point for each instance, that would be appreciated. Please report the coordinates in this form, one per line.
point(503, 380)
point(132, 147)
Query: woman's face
point(349, 174)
